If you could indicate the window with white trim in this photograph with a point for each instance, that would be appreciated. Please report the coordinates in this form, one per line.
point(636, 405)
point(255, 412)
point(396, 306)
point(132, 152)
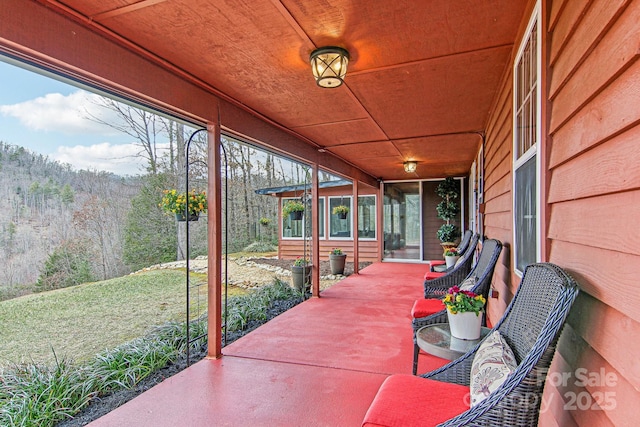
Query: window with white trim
point(526, 138)
point(366, 217)
point(339, 220)
point(294, 226)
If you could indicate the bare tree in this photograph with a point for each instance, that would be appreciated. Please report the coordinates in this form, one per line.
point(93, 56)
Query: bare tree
point(143, 126)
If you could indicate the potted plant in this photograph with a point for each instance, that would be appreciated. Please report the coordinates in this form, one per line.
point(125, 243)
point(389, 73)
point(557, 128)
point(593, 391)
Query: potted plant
point(464, 311)
point(451, 256)
point(293, 208)
point(178, 203)
point(341, 211)
point(301, 274)
point(447, 210)
point(337, 260)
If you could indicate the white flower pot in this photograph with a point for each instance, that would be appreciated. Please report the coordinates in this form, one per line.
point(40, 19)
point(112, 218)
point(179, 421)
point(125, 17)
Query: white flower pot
point(451, 260)
point(465, 326)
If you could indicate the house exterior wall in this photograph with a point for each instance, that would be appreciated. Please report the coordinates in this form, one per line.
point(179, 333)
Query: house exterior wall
point(591, 182)
point(368, 249)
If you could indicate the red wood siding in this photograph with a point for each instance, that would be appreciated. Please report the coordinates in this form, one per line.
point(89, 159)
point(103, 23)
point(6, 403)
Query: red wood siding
point(593, 204)
point(594, 199)
point(368, 250)
point(498, 220)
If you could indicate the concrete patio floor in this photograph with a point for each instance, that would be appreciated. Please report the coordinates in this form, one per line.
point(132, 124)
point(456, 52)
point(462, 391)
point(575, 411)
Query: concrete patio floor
point(319, 364)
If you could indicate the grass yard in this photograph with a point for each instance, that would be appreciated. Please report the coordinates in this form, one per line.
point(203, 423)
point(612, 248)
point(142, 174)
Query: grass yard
point(83, 320)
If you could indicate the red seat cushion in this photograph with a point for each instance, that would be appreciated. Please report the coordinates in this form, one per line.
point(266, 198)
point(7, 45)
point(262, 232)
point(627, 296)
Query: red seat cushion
point(407, 400)
point(429, 275)
point(426, 307)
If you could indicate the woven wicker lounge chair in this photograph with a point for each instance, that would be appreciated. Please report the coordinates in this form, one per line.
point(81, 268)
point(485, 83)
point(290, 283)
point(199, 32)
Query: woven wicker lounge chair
point(432, 310)
point(530, 326)
point(439, 265)
point(460, 270)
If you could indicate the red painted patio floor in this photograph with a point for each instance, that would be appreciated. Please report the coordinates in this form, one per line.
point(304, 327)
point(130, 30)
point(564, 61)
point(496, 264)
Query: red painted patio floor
point(319, 364)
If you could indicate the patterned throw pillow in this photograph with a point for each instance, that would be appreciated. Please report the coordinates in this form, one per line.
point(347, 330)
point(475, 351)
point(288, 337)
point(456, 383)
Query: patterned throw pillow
point(458, 262)
point(468, 283)
point(493, 363)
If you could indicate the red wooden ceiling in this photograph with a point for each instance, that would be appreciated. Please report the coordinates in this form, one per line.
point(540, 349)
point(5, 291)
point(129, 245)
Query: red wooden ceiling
point(421, 80)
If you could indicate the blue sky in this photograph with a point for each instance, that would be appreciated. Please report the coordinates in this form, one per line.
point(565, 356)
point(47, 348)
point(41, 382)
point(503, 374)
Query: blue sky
point(48, 116)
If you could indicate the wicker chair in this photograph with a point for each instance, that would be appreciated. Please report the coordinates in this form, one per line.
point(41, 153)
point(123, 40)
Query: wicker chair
point(439, 265)
point(531, 326)
point(482, 272)
point(462, 267)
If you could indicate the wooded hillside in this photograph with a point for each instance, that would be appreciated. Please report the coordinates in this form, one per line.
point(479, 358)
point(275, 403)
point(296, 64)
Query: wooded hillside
point(60, 227)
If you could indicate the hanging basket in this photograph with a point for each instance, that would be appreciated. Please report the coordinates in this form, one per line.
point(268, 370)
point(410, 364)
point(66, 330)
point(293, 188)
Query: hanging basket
point(192, 217)
point(295, 215)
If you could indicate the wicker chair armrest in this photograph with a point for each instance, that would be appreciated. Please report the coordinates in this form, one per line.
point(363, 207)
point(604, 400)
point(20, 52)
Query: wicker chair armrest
point(442, 284)
point(431, 292)
point(457, 372)
point(439, 317)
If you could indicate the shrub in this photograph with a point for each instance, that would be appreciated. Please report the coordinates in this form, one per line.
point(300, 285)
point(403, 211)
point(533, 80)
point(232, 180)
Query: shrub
point(259, 247)
point(68, 265)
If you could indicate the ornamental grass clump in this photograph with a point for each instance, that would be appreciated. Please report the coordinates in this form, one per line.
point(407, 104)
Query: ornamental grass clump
point(174, 202)
point(459, 301)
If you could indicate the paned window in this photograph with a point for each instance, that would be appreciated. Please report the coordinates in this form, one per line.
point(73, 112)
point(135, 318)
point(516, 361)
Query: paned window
point(525, 149)
point(294, 226)
point(366, 217)
point(339, 220)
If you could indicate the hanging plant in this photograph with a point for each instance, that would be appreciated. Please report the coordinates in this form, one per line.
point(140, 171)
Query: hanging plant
point(264, 221)
point(340, 210)
point(174, 202)
point(291, 206)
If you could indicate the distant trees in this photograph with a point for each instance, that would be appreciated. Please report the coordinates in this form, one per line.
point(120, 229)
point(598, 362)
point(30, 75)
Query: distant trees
point(50, 209)
point(149, 235)
point(59, 226)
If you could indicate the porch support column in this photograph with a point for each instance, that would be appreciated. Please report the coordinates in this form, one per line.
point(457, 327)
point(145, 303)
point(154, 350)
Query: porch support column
point(354, 221)
point(315, 232)
point(380, 221)
point(214, 264)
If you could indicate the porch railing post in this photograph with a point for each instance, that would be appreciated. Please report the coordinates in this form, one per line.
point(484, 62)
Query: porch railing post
point(354, 216)
point(214, 279)
point(315, 232)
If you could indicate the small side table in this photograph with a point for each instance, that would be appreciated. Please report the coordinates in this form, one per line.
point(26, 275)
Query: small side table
point(436, 339)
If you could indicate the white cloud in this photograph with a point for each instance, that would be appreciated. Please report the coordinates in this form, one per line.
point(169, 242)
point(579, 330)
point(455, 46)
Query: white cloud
point(59, 113)
point(122, 159)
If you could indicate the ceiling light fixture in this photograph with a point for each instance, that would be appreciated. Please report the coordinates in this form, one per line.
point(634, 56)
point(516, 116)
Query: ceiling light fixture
point(329, 65)
point(410, 166)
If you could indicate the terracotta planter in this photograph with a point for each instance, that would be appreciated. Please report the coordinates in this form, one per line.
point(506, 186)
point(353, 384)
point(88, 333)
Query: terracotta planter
point(192, 217)
point(465, 326)
point(337, 263)
point(301, 277)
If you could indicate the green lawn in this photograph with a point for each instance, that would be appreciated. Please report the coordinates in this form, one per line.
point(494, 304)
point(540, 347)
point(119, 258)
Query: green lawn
point(81, 321)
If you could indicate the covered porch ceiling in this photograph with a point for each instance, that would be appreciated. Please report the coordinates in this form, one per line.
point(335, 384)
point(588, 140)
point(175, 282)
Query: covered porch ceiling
point(421, 80)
